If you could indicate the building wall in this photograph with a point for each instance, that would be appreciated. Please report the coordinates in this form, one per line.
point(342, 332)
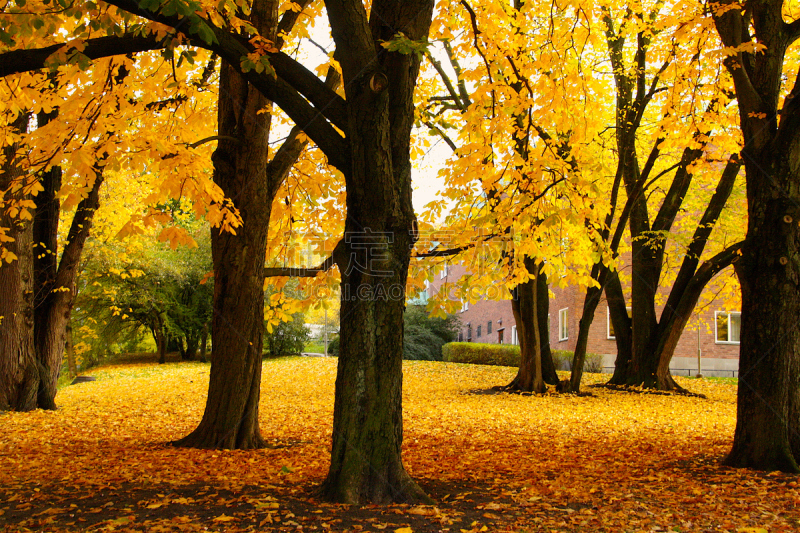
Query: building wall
point(717, 358)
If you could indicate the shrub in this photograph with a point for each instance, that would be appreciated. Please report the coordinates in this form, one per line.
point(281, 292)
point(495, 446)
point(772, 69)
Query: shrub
point(481, 354)
point(333, 346)
point(508, 355)
point(424, 335)
point(593, 363)
point(562, 359)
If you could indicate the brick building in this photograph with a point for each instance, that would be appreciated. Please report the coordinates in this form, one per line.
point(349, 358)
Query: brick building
point(491, 320)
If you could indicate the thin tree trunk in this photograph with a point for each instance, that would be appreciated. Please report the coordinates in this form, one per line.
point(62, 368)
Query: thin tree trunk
point(590, 303)
point(56, 280)
point(69, 348)
point(622, 329)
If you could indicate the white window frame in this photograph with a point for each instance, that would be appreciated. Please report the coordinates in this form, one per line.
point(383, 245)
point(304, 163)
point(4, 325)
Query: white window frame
point(716, 333)
point(444, 272)
point(514, 337)
point(609, 336)
point(464, 305)
point(563, 324)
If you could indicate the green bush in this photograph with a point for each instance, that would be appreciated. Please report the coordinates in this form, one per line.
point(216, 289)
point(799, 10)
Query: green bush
point(593, 363)
point(508, 355)
point(562, 359)
point(424, 335)
point(333, 346)
point(481, 354)
point(287, 338)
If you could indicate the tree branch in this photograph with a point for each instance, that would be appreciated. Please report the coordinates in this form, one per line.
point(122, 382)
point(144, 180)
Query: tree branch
point(275, 272)
point(232, 48)
point(27, 60)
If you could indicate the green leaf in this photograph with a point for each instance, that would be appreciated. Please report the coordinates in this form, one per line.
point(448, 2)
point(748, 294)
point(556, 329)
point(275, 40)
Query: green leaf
point(403, 45)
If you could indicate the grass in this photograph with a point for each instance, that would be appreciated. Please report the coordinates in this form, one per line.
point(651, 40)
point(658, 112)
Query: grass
point(314, 347)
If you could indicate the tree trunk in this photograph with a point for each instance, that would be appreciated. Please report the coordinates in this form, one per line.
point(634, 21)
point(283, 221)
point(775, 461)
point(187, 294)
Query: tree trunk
point(590, 302)
point(767, 432)
point(366, 464)
point(230, 420)
point(543, 308)
point(251, 181)
point(161, 343)
point(530, 377)
point(55, 280)
point(767, 435)
point(622, 328)
point(19, 375)
point(69, 348)
point(191, 347)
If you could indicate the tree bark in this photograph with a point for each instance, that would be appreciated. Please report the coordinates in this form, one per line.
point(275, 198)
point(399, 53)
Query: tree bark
point(245, 174)
point(526, 305)
point(230, 420)
point(590, 302)
point(19, 375)
point(366, 464)
point(55, 279)
point(767, 435)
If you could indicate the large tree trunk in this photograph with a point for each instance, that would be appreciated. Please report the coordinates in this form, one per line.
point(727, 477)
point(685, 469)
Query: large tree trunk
point(767, 432)
point(767, 435)
point(526, 305)
point(19, 375)
point(230, 420)
point(242, 170)
point(366, 463)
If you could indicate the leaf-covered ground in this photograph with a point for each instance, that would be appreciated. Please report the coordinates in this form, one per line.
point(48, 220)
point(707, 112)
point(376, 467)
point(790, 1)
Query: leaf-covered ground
point(612, 461)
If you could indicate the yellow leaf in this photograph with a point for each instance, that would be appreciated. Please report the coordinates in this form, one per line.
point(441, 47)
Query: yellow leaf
point(404, 530)
point(224, 518)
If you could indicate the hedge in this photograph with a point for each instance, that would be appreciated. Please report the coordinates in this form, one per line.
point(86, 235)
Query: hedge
point(477, 353)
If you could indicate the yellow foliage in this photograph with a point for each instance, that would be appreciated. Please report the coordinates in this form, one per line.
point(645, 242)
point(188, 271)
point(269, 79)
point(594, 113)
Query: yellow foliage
point(633, 461)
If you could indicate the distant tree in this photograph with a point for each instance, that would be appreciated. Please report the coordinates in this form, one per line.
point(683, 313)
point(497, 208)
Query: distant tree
point(287, 338)
point(160, 290)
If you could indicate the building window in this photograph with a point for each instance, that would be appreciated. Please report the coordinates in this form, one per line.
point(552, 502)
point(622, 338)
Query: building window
point(479, 331)
point(563, 324)
point(514, 338)
point(460, 336)
point(489, 328)
point(727, 327)
point(464, 305)
point(469, 333)
point(444, 271)
point(610, 328)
